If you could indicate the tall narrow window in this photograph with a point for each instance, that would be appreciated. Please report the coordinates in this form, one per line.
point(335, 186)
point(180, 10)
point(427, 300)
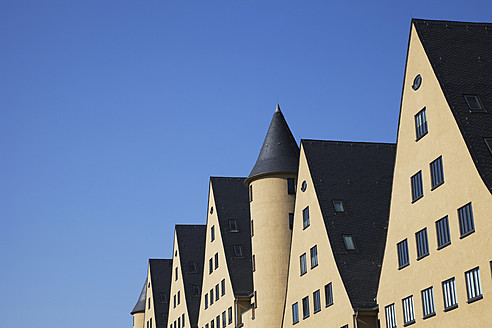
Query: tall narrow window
point(437, 174)
point(250, 193)
point(295, 313)
point(212, 324)
point(303, 264)
point(183, 319)
point(176, 273)
point(192, 267)
point(291, 186)
point(217, 319)
point(206, 301)
point(428, 302)
point(195, 290)
point(314, 256)
point(305, 217)
point(403, 254)
point(174, 301)
point(421, 124)
point(179, 297)
point(291, 220)
point(217, 293)
point(473, 285)
point(179, 322)
point(212, 233)
point(422, 244)
point(316, 301)
point(252, 229)
point(417, 188)
point(229, 312)
point(211, 296)
point(253, 262)
point(148, 303)
point(222, 287)
point(408, 311)
point(328, 295)
point(390, 316)
point(216, 258)
point(210, 266)
point(442, 230)
point(305, 307)
point(224, 319)
point(449, 294)
point(465, 215)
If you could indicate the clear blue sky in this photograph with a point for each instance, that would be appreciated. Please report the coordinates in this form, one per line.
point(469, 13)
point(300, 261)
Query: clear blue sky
point(113, 115)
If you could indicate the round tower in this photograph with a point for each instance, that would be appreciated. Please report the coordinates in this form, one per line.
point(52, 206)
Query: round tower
point(138, 311)
point(272, 184)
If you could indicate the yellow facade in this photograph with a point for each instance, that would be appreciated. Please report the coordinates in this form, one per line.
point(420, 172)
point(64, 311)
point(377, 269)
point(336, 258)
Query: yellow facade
point(462, 185)
point(149, 304)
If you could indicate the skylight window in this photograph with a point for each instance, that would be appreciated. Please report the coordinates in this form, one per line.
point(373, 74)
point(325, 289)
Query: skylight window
point(338, 204)
point(488, 142)
point(233, 225)
point(193, 267)
point(238, 251)
point(349, 243)
point(474, 103)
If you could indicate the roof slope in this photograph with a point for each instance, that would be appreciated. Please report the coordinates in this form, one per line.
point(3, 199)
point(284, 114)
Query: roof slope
point(160, 276)
point(231, 200)
point(191, 243)
point(461, 56)
point(279, 153)
point(140, 306)
point(359, 174)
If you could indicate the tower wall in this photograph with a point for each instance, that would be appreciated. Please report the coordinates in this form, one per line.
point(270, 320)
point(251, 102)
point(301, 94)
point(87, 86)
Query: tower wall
point(138, 320)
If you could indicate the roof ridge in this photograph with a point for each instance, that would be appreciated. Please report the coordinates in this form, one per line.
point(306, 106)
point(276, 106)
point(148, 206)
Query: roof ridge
point(437, 21)
point(349, 142)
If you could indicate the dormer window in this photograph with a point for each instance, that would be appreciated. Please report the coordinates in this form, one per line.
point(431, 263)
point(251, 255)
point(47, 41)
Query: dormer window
point(196, 290)
point(349, 243)
point(238, 251)
point(193, 267)
point(474, 103)
point(338, 205)
point(233, 226)
point(488, 142)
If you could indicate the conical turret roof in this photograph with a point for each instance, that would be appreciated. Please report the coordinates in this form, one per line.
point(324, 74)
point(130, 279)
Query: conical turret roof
point(279, 153)
point(140, 306)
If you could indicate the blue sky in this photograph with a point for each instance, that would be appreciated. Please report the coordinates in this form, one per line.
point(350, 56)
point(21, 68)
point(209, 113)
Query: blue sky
point(114, 114)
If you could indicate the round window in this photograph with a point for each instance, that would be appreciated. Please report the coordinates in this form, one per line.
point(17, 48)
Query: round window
point(417, 82)
point(304, 185)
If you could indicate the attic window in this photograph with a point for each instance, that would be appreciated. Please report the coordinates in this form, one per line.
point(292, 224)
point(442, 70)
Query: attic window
point(474, 103)
point(233, 225)
point(175, 253)
point(338, 204)
point(192, 266)
point(238, 251)
point(488, 142)
point(212, 210)
point(304, 186)
point(196, 290)
point(417, 82)
point(163, 297)
point(349, 243)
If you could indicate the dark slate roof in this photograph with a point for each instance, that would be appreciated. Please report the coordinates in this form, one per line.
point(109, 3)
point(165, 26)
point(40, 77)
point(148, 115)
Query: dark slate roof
point(279, 153)
point(232, 202)
point(140, 306)
point(191, 243)
point(359, 174)
point(461, 57)
point(160, 276)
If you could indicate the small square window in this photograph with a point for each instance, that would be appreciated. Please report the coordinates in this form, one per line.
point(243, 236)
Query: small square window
point(305, 307)
point(417, 188)
point(474, 103)
point(305, 218)
point(291, 186)
point(238, 251)
point(465, 215)
point(349, 243)
point(163, 297)
point(421, 124)
point(338, 205)
point(233, 226)
point(303, 264)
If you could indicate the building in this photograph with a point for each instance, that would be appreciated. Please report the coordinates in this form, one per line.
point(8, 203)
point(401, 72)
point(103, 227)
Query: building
point(353, 234)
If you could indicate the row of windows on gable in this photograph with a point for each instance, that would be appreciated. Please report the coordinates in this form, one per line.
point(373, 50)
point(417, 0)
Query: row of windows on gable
point(177, 299)
point(224, 318)
point(314, 260)
point(316, 304)
point(291, 188)
point(211, 265)
point(465, 216)
point(473, 289)
point(217, 295)
point(437, 179)
point(179, 323)
point(149, 323)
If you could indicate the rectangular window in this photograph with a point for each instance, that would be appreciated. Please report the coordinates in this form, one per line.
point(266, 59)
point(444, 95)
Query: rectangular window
point(192, 267)
point(211, 296)
point(210, 266)
point(216, 258)
point(442, 230)
point(316, 301)
point(303, 264)
point(390, 316)
point(291, 220)
point(250, 193)
point(338, 205)
point(421, 124)
point(417, 188)
point(291, 186)
point(195, 290)
point(233, 226)
point(473, 286)
point(217, 319)
point(217, 294)
point(428, 302)
point(305, 307)
point(449, 294)
point(212, 233)
point(212, 324)
point(222, 285)
point(403, 260)
point(179, 322)
point(238, 251)
point(305, 218)
point(474, 103)
point(488, 142)
point(229, 312)
point(174, 301)
point(328, 295)
point(183, 319)
point(179, 297)
point(422, 244)
point(437, 174)
point(295, 313)
point(408, 311)
point(206, 326)
point(253, 263)
point(224, 319)
point(465, 215)
point(148, 303)
point(252, 229)
point(206, 301)
point(348, 242)
point(314, 256)
point(176, 273)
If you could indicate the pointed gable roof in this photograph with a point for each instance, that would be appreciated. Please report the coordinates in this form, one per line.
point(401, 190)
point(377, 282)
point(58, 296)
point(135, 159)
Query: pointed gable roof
point(461, 57)
point(279, 153)
point(140, 306)
point(232, 203)
point(360, 174)
point(191, 243)
point(160, 276)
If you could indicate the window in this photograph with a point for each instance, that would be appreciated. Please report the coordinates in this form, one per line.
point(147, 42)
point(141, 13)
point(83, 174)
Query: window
point(224, 319)
point(212, 210)
point(179, 322)
point(179, 297)
point(328, 295)
point(421, 124)
point(150, 322)
point(390, 316)
point(428, 302)
point(303, 264)
point(216, 258)
point(449, 294)
point(474, 103)
point(442, 230)
point(437, 174)
point(222, 285)
point(317, 301)
point(217, 319)
point(183, 319)
point(148, 303)
point(206, 326)
point(473, 286)
point(229, 312)
point(211, 296)
point(174, 301)
point(417, 189)
point(192, 266)
point(210, 266)
point(176, 273)
point(465, 215)
point(417, 82)
point(252, 229)
point(488, 142)
point(212, 233)
point(305, 217)
point(314, 256)
point(291, 186)
point(305, 307)
point(233, 226)
point(338, 205)
point(304, 186)
point(212, 324)
point(163, 297)
point(206, 301)
point(291, 220)
point(253, 263)
point(295, 313)
point(349, 243)
point(422, 244)
point(217, 292)
point(195, 290)
point(408, 311)
point(402, 254)
point(250, 193)
point(255, 305)
point(238, 251)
